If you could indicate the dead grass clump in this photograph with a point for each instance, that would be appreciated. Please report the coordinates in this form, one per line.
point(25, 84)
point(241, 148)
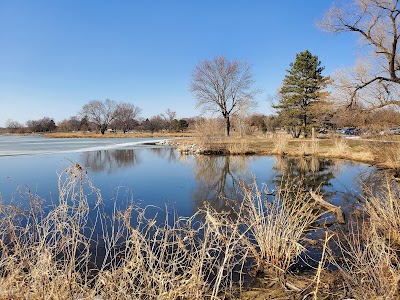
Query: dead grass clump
point(281, 144)
point(368, 260)
point(387, 154)
point(368, 266)
point(46, 255)
point(383, 207)
point(340, 147)
point(308, 148)
point(277, 225)
point(239, 147)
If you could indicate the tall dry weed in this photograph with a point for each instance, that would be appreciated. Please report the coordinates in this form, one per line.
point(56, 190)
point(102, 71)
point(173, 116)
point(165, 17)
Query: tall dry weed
point(369, 262)
point(281, 144)
point(46, 255)
point(387, 154)
point(340, 146)
point(239, 147)
point(276, 225)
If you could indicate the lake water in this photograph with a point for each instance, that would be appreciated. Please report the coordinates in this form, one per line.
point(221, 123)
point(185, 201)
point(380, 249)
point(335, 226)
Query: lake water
point(159, 175)
point(138, 170)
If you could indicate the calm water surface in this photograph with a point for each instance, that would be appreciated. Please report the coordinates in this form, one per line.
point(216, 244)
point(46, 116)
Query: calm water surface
point(156, 175)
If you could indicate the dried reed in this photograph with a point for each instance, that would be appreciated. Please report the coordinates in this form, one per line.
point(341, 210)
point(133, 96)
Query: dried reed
point(369, 261)
point(281, 144)
point(276, 225)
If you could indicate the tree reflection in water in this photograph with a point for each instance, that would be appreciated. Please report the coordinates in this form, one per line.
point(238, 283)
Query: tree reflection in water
point(168, 153)
point(110, 160)
point(218, 178)
point(313, 172)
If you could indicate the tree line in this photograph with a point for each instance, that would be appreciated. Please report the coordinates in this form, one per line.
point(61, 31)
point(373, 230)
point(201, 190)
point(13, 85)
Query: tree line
point(102, 116)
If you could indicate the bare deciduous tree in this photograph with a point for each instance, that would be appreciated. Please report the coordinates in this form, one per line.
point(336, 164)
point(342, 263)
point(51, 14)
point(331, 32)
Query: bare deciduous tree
point(374, 81)
point(126, 115)
point(13, 126)
point(224, 87)
point(100, 113)
point(169, 117)
point(45, 124)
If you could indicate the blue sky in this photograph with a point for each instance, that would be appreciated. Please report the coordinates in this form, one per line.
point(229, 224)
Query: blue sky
point(55, 56)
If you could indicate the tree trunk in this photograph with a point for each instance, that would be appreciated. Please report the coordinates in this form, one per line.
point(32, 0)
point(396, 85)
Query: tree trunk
point(228, 126)
point(295, 131)
point(103, 128)
point(305, 125)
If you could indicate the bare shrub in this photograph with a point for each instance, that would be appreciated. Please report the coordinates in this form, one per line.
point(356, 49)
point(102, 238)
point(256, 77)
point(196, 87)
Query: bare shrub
point(208, 131)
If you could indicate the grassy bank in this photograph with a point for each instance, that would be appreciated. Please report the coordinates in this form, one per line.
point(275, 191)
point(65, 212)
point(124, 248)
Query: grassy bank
point(382, 152)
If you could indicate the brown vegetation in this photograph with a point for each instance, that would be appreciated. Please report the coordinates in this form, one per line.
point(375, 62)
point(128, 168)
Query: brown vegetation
point(378, 151)
point(50, 253)
point(369, 259)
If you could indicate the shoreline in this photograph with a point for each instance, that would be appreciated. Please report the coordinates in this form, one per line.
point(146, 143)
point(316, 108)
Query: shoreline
point(379, 151)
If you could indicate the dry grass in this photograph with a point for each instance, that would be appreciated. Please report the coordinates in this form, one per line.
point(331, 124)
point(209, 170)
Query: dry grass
point(340, 146)
point(280, 144)
point(208, 137)
point(240, 147)
point(368, 267)
point(383, 207)
point(369, 261)
point(49, 253)
point(46, 255)
point(387, 154)
point(276, 225)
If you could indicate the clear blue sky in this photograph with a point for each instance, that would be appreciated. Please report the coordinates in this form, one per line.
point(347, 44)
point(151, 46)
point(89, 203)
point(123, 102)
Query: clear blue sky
point(55, 56)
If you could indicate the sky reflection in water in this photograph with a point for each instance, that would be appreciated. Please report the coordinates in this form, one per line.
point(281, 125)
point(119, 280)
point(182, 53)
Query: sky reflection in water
point(155, 175)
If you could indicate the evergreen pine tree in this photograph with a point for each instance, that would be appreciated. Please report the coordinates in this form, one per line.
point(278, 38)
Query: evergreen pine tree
point(301, 94)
